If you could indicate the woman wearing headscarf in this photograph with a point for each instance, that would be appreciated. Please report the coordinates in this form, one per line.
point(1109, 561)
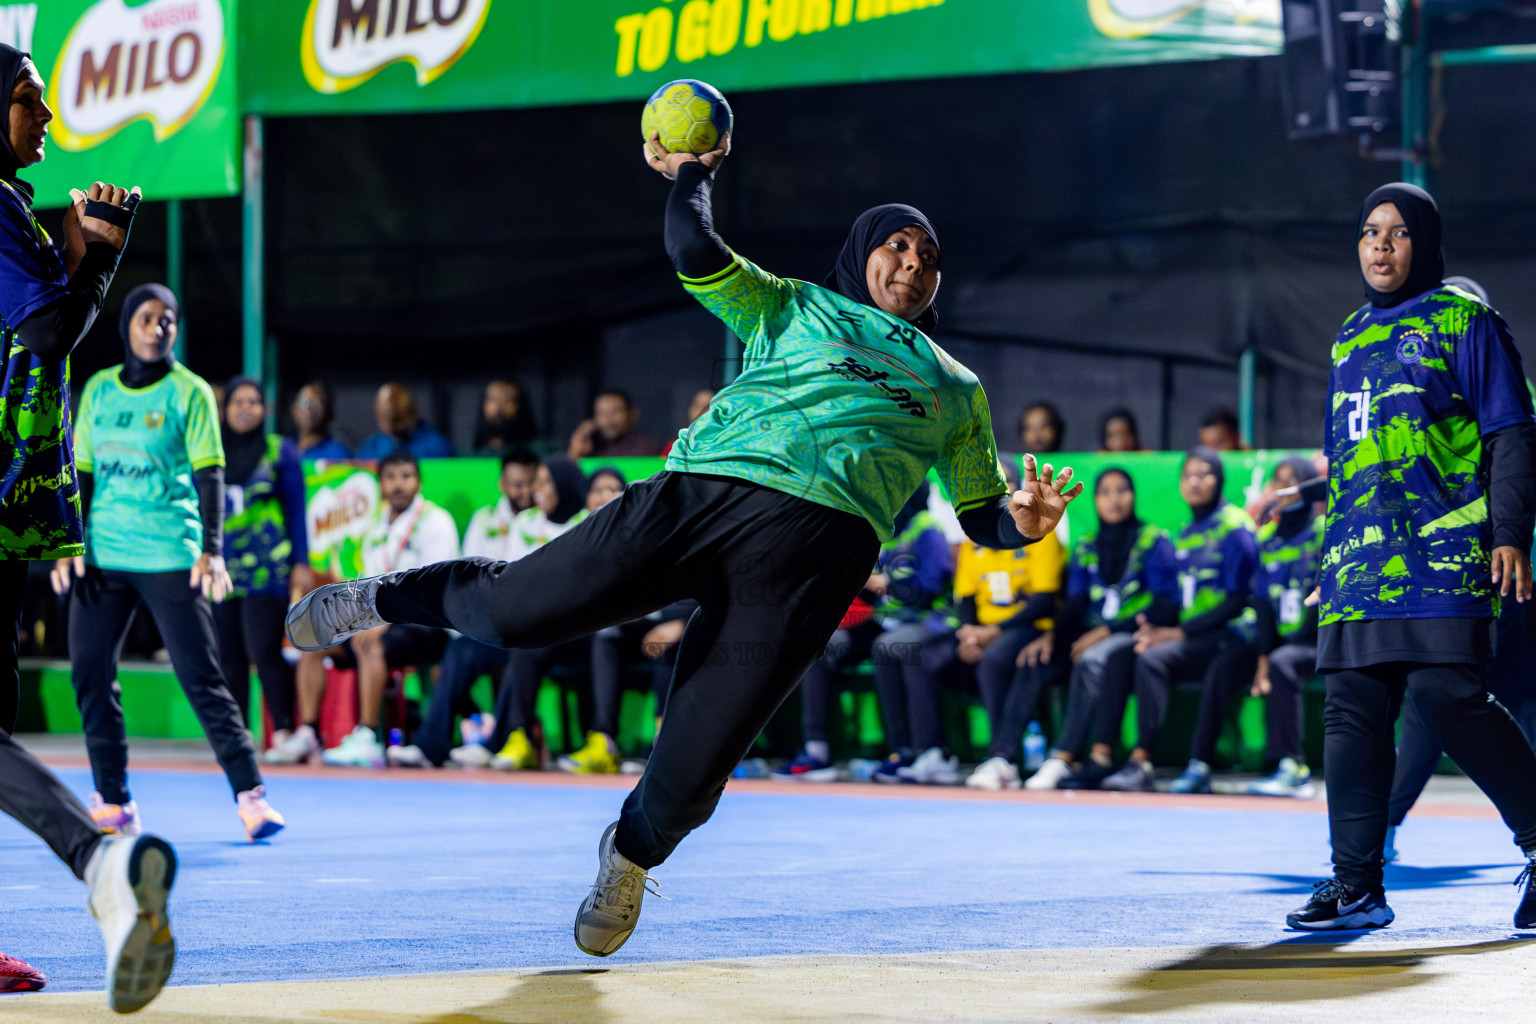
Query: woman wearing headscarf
point(266, 548)
point(1431, 499)
point(50, 293)
point(1123, 570)
point(1216, 556)
point(770, 512)
point(151, 463)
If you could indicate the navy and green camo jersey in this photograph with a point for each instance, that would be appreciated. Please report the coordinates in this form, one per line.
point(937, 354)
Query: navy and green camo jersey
point(838, 403)
point(39, 493)
point(258, 543)
point(1287, 574)
point(1150, 572)
point(1216, 557)
point(1414, 390)
point(144, 445)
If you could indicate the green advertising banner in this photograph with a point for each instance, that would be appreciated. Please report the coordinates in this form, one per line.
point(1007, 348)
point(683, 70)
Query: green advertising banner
point(143, 93)
point(356, 56)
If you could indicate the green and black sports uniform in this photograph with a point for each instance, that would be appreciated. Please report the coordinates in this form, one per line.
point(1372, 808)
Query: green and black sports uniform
point(770, 512)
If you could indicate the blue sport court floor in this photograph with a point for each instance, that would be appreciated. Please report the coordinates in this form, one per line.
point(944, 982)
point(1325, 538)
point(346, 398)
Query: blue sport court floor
point(447, 898)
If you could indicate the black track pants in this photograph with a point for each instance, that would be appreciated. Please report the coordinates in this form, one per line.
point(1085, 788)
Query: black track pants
point(28, 791)
point(773, 575)
point(101, 610)
point(1157, 670)
point(251, 632)
point(1359, 760)
point(464, 662)
point(1097, 693)
point(1290, 667)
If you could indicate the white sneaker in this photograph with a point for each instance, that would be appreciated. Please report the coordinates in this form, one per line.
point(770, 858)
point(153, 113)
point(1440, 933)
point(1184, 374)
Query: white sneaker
point(994, 773)
point(407, 757)
point(279, 737)
point(328, 615)
point(932, 768)
point(1049, 774)
point(608, 915)
point(471, 755)
point(360, 748)
point(301, 745)
point(130, 880)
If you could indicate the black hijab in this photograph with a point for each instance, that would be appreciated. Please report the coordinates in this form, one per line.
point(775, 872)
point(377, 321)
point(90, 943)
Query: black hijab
point(1116, 540)
point(869, 233)
point(11, 60)
point(1296, 516)
point(242, 452)
point(1422, 218)
point(1211, 457)
point(141, 373)
point(570, 486)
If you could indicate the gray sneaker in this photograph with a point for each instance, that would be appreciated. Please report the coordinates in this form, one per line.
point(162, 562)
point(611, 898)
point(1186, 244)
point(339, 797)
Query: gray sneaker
point(130, 880)
point(326, 616)
point(1135, 777)
point(608, 915)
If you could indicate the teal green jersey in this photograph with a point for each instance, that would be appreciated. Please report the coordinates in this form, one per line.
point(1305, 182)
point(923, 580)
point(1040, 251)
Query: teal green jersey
point(143, 445)
point(838, 403)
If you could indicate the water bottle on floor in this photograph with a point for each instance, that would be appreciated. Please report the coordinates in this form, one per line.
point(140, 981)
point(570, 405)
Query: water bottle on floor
point(1034, 747)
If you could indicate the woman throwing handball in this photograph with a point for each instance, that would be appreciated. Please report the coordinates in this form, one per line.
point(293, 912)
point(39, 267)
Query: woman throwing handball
point(770, 512)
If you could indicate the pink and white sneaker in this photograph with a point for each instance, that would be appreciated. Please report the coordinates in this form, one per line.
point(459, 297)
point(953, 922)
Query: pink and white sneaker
point(258, 816)
point(115, 819)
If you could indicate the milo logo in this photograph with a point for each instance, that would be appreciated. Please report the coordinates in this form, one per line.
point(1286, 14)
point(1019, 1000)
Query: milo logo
point(347, 42)
point(155, 62)
point(343, 506)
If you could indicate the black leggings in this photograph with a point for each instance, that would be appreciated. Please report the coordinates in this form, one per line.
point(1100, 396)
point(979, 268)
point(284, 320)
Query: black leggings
point(28, 791)
point(773, 575)
point(251, 632)
point(101, 610)
point(611, 648)
point(845, 649)
point(1358, 758)
point(464, 662)
point(517, 701)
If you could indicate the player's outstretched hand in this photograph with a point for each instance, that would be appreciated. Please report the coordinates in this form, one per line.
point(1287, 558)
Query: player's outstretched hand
point(1039, 505)
point(211, 577)
point(1512, 570)
point(64, 573)
point(104, 213)
point(665, 162)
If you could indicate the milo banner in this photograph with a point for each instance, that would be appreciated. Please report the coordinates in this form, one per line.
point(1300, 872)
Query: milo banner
point(143, 93)
point(342, 56)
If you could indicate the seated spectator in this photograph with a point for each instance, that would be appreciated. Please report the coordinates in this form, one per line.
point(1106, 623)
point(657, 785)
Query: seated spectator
point(1290, 553)
point(605, 484)
point(1216, 556)
point(1123, 570)
point(489, 535)
point(612, 432)
point(697, 407)
point(312, 411)
point(1219, 431)
point(400, 427)
point(910, 580)
point(506, 423)
point(1041, 428)
point(516, 742)
point(411, 532)
point(1119, 433)
point(654, 638)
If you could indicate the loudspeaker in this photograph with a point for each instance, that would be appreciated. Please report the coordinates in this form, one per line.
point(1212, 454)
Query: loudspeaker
point(1339, 70)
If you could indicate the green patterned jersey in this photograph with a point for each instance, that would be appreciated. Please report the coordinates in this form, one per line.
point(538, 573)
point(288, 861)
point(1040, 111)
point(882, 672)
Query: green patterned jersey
point(143, 445)
point(39, 494)
point(1414, 390)
point(838, 403)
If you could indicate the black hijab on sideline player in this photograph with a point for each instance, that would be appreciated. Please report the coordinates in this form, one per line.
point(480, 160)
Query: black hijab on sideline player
point(242, 451)
point(1115, 540)
point(11, 61)
point(1211, 457)
point(869, 232)
point(1298, 514)
point(141, 373)
point(1422, 218)
point(570, 488)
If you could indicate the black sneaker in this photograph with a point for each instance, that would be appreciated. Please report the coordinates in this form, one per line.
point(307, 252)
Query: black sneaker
point(1525, 913)
point(1336, 905)
point(1089, 776)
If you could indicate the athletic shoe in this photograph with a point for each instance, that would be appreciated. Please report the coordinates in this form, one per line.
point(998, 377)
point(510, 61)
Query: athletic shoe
point(1048, 775)
point(407, 756)
point(301, 745)
point(599, 757)
point(994, 773)
point(1196, 778)
point(1336, 905)
point(279, 737)
point(805, 768)
point(359, 748)
point(328, 615)
point(130, 882)
point(258, 816)
point(518, 754)
point(1135, 777)
point(1292, 779)
point(471, 755)
point(19, 976)
point(889, 770)
point(632, 766)
point(608, 915)
point(1525, 913)
point(115, 819)
point(932, 768)
point(1088, 775)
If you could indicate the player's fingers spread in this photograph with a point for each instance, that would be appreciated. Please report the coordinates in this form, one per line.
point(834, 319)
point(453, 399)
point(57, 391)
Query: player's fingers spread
point(1029, 469)
point(1063, 479)
point(1073, 493)
point(1047, 471)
